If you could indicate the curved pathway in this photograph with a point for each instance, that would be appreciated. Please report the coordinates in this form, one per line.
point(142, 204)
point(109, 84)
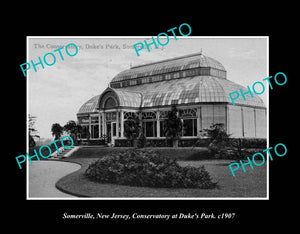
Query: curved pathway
point(44, 174)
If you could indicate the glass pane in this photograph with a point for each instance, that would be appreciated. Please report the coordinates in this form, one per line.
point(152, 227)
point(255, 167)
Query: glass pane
point(83, 120)
point(188, 127)
point(95, 131)
point(95, 119)
point(195, 127)
point(114, 125)
point(220, 115)
point(149, 129)
point(110, 103)
point(161, 126)
point(249, 122)
point(84, 131)
point(207, 116)
point(235, 121)
point(260, 123)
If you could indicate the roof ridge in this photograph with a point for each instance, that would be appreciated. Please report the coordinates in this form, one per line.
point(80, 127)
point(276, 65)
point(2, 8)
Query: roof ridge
point(170, 59)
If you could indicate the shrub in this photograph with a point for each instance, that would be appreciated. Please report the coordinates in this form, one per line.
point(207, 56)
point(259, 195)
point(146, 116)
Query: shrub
point(194, 142)
point(250, 142)
point(219, 140)
point(123, 143)
point(97, 142)
point(141, 141)
point(148, 169)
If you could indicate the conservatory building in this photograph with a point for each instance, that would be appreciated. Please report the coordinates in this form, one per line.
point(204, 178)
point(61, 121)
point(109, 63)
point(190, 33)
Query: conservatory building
point(195, 83)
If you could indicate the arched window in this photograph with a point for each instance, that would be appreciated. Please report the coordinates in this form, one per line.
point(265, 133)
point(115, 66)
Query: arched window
point(149, 124)
point(110, 102)
point(130, 115)
point(149, 115)
point(189, 122)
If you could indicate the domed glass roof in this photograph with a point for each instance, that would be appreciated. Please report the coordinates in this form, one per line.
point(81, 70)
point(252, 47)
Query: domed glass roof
point(90, 106)
point(193, 88)
point(170, 65)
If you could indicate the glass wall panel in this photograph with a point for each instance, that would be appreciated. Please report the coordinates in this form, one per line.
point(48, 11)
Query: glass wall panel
point(83, 120)
point(249, 126)
point(94, 119)
point(161, 127)
point(149, 128)
point(220, 114)
point(114, 129)
point(95, 131)
point(261, 123)
point(207, 116)
point(84, 131)
point(235, 121)
point(189, 127)
point(195, 127)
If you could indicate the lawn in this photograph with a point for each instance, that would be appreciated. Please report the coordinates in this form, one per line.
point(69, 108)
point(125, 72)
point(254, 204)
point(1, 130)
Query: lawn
point(251, 183)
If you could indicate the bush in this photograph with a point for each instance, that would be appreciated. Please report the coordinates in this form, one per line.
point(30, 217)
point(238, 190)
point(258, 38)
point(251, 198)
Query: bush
point(194, 142)
point(219, 140)
point(159, 143)
point(96, 142)
point(183, 142)
point(148, 169)
point(141, 141)
point(250, 142)
point(123, 143)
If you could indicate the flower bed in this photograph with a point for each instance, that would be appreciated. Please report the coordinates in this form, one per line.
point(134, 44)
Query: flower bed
point(147, 168)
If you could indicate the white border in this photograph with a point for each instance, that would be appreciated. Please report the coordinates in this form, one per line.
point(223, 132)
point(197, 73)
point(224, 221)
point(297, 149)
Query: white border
point(142, 198)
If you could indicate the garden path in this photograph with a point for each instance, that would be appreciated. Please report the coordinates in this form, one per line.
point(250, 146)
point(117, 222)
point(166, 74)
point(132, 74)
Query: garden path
point(44, 174)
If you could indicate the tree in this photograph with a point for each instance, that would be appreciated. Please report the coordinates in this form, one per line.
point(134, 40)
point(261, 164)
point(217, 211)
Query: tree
point(31, 141)
point(57, 130)
point(73, 129)
point(132, 129)
point(32, 130)
point(173, 125)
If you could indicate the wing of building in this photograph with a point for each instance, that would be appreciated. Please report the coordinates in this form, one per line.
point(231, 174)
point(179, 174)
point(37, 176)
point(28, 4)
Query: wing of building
point(195, 83)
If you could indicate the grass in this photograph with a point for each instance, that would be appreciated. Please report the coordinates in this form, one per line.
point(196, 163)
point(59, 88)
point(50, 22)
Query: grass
point(251, 183)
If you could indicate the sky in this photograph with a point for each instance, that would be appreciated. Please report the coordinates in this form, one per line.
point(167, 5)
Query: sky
point(56, 92)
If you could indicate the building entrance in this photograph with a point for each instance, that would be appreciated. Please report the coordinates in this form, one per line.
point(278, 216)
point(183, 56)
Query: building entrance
point(111, 131)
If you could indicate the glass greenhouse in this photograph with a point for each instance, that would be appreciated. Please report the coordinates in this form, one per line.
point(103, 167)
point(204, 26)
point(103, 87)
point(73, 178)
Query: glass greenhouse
point(195, 83)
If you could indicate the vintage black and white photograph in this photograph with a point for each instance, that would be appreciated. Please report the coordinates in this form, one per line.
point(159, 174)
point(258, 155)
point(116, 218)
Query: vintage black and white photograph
point(176, 120)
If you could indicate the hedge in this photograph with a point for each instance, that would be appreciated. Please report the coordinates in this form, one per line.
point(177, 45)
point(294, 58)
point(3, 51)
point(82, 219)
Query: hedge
point(193, 142)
